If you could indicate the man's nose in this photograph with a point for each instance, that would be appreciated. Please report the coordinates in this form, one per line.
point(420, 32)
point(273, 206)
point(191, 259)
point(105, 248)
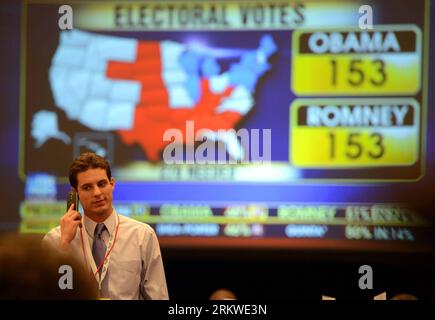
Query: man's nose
point(97, 192)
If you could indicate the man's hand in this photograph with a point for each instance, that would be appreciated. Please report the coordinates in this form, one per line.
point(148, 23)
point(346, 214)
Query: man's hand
point(68, 227)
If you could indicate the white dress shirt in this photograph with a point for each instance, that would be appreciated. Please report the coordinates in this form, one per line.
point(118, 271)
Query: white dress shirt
point(136, 267)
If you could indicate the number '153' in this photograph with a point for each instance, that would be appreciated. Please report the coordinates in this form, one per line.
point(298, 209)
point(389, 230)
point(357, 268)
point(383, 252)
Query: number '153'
point(354, 147)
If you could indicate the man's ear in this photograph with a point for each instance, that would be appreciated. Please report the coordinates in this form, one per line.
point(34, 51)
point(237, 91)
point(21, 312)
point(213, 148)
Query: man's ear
point(112, 182)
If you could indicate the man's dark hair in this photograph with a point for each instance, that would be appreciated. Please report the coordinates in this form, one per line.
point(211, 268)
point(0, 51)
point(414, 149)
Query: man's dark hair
point(84, 162)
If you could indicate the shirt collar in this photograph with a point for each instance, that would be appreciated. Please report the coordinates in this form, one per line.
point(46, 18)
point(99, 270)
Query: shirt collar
point(90, 224)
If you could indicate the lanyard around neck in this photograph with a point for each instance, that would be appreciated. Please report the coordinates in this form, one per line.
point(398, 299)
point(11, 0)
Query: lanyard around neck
point(89, 259)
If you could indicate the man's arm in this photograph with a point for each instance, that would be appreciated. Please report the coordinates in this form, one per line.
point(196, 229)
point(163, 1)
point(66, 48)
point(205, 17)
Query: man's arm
point(153, 284)
point(51, 240)
point(60, 238)
point(68, 227)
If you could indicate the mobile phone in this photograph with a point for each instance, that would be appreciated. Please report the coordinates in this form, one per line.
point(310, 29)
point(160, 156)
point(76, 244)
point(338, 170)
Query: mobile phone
point(73, 197)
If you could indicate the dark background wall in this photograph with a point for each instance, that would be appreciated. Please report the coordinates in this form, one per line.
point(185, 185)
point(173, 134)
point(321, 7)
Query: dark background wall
point(292, 275)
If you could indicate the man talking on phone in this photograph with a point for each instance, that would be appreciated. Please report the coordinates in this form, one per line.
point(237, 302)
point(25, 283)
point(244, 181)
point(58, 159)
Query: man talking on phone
point(122, 255)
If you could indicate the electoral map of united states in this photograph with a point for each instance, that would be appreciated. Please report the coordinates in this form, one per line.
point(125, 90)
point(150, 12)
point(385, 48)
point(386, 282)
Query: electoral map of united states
point(139, 89)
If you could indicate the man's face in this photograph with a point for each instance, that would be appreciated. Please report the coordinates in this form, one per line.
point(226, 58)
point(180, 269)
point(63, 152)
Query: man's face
point(95, 192)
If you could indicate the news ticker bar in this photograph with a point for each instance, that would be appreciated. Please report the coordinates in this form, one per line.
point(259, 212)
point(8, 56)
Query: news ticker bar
point(291, 231)
point(260, 231)
point(368, 222)
point(249, 213)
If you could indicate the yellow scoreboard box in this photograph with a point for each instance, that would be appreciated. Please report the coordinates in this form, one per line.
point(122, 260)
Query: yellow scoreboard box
point(347, 61)
point(352, 132)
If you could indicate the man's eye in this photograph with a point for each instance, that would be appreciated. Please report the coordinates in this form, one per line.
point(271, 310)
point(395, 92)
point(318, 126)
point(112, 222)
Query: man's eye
point(103, 184)
point(86, 188)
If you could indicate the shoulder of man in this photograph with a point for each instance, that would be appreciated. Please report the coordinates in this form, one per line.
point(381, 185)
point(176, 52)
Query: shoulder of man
point(135, 224)
point(51, 241)
point(52, 237)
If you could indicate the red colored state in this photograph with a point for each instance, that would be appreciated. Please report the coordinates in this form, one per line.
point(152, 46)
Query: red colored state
point(153, 115)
